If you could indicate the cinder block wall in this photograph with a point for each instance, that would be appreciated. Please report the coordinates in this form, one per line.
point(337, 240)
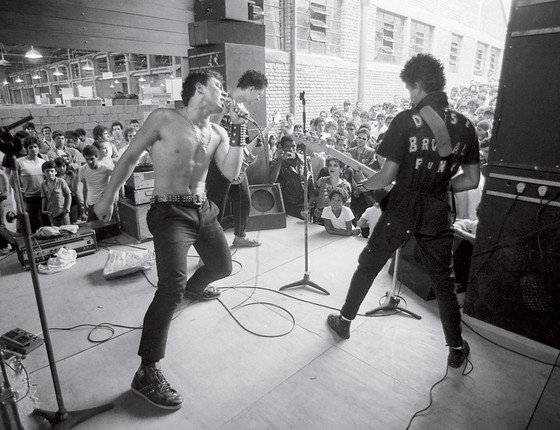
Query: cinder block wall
point(70, 118)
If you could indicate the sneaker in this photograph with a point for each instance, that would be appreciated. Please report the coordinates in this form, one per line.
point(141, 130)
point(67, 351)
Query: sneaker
point(209, 293)
point(458, 355)
point(244, 242)
point(339, 326)
point(150, 383)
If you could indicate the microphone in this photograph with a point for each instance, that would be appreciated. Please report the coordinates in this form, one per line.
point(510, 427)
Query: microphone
point(240, 114)
point(247, 117)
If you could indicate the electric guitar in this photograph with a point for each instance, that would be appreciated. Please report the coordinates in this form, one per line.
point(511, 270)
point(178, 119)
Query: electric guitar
point(248, 157)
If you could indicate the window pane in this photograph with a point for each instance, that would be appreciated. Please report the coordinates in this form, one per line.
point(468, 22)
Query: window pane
point(319, 22)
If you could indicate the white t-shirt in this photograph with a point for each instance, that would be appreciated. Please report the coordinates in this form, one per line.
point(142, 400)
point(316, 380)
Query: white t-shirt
point(371, 215)
point(96, 181)
point(338, 222)
point(31, 176)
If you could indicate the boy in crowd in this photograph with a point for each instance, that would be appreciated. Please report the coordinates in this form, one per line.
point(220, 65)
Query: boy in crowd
point(93, 177)
point(55, 195)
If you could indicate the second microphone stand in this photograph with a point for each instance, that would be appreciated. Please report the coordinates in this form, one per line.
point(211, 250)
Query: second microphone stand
point(306, 281)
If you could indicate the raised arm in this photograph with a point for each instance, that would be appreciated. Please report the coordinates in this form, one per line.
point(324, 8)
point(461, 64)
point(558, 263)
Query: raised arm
point(228, 157)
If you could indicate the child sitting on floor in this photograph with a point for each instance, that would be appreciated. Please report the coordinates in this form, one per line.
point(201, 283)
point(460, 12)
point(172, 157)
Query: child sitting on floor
point(338, 218)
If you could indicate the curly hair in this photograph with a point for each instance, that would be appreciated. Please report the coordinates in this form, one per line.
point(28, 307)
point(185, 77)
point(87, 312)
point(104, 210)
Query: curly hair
point(252, 78)
point(425, 69)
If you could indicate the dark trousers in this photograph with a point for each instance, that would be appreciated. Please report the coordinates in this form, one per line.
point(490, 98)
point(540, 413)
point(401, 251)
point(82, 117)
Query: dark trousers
point(218, 188)
point(37, 218)
point(434, 252)
point(175, 228)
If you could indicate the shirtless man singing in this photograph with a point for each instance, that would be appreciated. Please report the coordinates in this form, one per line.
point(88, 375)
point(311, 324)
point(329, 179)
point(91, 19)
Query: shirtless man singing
point(182, 142)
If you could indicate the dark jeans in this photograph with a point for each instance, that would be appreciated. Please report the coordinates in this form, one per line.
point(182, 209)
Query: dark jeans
point(37, 218)
point(218, 188)
point(434, 252)
point(175, 228)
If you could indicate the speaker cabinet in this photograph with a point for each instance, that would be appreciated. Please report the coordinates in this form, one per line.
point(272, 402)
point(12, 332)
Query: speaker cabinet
point(237, 10)
point(411, 273)
point(224, 58)
point(267, 208)
point(208, 32)
point(514, 281)
point(520, 137)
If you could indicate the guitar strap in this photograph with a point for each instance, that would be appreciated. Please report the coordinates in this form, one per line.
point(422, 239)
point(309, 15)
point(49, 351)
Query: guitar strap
point(439, 129)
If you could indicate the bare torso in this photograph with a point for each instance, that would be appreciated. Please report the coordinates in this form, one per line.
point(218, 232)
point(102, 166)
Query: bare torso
point(179, 159)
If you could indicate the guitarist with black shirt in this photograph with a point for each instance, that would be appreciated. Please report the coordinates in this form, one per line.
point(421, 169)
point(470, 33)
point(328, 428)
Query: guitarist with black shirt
point(250, 88)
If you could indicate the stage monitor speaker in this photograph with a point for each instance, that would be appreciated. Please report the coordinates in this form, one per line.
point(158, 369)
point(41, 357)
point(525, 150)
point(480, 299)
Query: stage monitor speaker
point(236, 10)
point(514, 279)
point(224, 58)
point(412, 273)
point(526, 129)
point(267, 208)
point(208, 32)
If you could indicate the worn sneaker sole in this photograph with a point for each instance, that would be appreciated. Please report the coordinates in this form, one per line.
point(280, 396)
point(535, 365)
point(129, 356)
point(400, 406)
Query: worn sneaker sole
point(169, 408)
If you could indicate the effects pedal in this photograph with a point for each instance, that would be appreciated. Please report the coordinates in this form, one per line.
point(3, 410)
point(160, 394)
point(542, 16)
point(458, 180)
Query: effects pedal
point(20, 341)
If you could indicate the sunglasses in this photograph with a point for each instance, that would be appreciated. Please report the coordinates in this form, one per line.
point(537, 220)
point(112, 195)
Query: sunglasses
point(362, 138)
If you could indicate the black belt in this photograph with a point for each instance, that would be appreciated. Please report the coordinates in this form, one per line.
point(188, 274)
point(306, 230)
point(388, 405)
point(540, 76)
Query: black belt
point(192, 199)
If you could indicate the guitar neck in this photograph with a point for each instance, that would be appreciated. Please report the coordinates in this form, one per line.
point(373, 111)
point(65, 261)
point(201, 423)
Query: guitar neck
point(253, 143)
point(317, 145)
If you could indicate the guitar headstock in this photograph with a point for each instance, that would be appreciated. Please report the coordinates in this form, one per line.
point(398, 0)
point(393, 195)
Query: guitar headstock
point(311, 142)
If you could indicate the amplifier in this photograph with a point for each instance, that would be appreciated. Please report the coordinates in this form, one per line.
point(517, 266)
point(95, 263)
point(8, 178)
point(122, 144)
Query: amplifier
point(138, 196)
point(83, 242)
point(139, 180)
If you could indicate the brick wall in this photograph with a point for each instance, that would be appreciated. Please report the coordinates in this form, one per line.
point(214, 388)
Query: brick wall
point(71, 118)
point(328, 81)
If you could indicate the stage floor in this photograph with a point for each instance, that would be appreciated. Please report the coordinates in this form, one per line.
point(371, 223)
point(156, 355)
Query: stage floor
point(302, 379)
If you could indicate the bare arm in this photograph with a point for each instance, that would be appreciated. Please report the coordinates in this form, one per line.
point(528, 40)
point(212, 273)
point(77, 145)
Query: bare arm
point(468, 179)
point(348, 231)
point(146, 136)
point(384, 177)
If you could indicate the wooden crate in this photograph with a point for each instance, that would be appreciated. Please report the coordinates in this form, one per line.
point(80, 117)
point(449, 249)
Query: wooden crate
point(133, 219)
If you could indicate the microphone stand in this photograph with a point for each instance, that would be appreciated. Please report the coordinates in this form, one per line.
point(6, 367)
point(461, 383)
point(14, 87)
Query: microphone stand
point(306, 281)
point(61, 419)
point(393, 301)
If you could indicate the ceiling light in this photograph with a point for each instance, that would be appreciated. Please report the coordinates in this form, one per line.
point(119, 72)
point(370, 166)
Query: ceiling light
point(88, 66)
point(141, 79)
point(5, 82)
point(33, 54)
point(35, 76)
point(117, 81)
point(79, 85)
point(19, 80)
point(111, 86)
point(162, 85)
point(57, 72)
point(4, 62)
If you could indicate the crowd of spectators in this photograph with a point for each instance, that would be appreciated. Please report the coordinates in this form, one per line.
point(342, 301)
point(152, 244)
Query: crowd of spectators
point(357, 133)
point(62, 173)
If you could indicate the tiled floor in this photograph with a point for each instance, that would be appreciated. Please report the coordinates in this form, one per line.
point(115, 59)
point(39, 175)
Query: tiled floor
point(305, 379)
